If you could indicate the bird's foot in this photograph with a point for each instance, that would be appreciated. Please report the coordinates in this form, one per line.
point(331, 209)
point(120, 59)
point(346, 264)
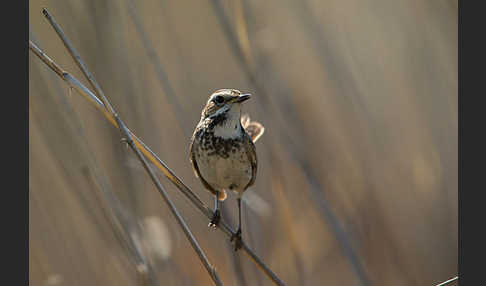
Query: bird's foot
point(237, 240)
point(215, 220)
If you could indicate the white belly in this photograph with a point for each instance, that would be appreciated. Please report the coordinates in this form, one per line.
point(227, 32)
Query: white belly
point(231, 173)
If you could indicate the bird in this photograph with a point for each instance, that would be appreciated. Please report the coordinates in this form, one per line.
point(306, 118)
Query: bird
point(222, 150)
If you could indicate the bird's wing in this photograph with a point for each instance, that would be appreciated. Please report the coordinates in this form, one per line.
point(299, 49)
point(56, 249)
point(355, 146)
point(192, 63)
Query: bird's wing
point(252, 157)
point(253, 128)
point(192, 158)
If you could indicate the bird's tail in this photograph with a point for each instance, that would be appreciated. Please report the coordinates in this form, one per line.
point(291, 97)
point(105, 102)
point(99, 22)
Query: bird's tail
point(253, 128)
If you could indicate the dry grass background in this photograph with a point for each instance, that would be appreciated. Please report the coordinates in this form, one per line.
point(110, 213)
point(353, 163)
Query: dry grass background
point(359, 98)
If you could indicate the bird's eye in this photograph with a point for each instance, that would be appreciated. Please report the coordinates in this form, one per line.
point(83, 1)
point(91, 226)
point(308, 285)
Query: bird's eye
point(219, 99)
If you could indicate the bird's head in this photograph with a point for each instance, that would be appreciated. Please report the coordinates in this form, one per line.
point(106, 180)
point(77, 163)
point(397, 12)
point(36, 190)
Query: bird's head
point(224, 102)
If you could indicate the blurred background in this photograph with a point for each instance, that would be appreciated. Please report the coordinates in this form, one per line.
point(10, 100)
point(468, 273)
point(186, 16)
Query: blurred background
point(358, 178)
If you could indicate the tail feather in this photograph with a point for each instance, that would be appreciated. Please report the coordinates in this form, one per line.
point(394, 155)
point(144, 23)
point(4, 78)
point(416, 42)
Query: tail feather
point(253, 128)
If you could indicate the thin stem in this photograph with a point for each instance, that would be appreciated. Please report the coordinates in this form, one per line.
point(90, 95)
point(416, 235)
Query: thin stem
point(149, 154)
point(50, 63)
point(448, 281)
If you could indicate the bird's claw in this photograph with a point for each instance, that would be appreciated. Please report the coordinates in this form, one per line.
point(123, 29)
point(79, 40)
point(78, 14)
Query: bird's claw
point(237, 240)
point(215, 220)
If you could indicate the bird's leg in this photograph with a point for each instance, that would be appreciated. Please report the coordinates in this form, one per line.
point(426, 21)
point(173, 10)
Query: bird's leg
point(237, 236)
point(217, 214)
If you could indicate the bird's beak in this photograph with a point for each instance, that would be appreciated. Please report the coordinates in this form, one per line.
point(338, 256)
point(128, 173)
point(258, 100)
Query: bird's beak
point(242, 97)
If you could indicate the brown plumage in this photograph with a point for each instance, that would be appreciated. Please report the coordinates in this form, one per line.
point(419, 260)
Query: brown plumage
point(222, 151)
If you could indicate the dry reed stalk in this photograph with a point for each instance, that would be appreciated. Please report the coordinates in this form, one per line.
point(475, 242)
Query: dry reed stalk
point(448, 281)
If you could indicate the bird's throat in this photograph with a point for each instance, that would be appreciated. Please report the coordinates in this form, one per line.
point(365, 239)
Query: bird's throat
point(227, 125)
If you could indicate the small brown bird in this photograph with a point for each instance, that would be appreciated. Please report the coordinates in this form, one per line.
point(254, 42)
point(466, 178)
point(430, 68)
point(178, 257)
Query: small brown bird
point(222, 152)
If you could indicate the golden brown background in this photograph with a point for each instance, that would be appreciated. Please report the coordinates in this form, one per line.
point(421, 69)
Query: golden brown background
point(357, 181)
